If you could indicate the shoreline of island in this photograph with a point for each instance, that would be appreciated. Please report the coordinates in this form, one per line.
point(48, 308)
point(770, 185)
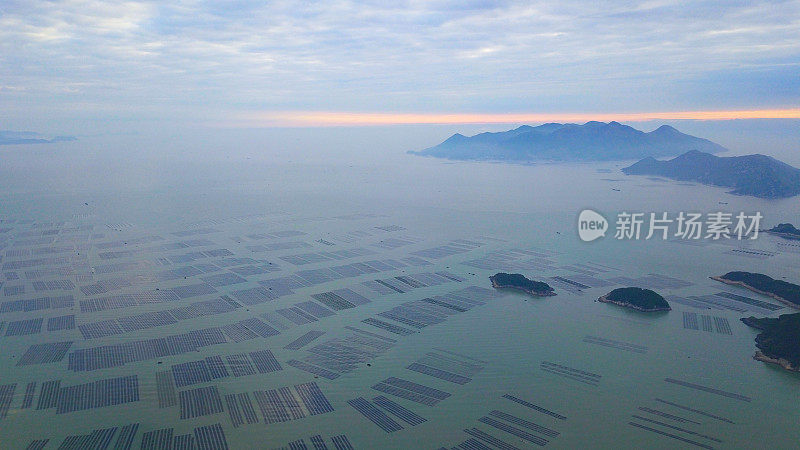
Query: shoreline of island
point(527, 291)
point(785, 231)
point(787, 236)
point(782, 362)
point(605, 299)
point(547, 291)
point(776, 342)
point(777, 297)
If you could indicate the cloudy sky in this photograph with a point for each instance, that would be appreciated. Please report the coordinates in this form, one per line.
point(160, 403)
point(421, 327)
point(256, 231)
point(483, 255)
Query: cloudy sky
point(256, 63)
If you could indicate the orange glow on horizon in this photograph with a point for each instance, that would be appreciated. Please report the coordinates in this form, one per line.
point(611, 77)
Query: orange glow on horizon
point(333, 118)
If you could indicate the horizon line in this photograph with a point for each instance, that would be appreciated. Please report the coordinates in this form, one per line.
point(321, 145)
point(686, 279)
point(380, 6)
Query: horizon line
point(342, 118)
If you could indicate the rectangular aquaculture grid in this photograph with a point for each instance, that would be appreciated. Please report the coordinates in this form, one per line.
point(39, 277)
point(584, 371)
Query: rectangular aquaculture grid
point(304, 340)
point(165, 389)
point(61, 323)
point(24, 327)
point(582, 376)
point(6, 397)
point(619, 345)
point(201, 401)
point(708, 389)
point(45, 353)
point(408, 416)
point(98, 394)
point(375, 415)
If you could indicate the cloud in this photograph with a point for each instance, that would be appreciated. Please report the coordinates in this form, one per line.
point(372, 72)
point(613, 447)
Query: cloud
point(224, 58)
point(327, 118)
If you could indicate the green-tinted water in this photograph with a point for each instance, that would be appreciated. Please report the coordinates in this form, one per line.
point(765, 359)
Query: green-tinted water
point(527, 207)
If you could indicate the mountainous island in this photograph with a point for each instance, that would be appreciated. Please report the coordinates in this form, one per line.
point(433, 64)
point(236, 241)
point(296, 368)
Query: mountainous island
point(519, 282)
point(592, 141)
point(785, 230)
point(783, 291)
point(636, 298)
point(755, 175)
point(779, 340)
point(29, 137)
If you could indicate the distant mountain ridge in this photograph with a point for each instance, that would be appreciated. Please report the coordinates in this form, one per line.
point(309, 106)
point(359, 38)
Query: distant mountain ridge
point(29, 137)
point(592, 141)
point(755, 175)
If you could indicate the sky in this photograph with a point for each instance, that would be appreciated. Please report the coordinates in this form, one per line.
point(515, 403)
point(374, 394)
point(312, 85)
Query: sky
point(78, 66)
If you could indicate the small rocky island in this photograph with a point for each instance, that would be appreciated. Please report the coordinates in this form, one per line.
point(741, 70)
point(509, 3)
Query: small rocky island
point(779, 340)
point(519, 282)
point(636, 298)
point(785, 230)
point(780, 290)
point(8, 137)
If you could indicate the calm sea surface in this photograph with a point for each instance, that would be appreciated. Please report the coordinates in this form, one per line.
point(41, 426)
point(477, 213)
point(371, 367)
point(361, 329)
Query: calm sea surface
point(260, 249)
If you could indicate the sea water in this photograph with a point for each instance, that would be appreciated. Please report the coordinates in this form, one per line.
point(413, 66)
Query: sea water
point(91, 205)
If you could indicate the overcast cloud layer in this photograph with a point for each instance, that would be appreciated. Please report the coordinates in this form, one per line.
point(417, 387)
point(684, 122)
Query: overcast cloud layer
point(83, 61)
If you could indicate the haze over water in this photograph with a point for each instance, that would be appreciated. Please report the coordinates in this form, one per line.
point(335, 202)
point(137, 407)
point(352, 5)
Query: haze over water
point(216, 237)
point(257, 186)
